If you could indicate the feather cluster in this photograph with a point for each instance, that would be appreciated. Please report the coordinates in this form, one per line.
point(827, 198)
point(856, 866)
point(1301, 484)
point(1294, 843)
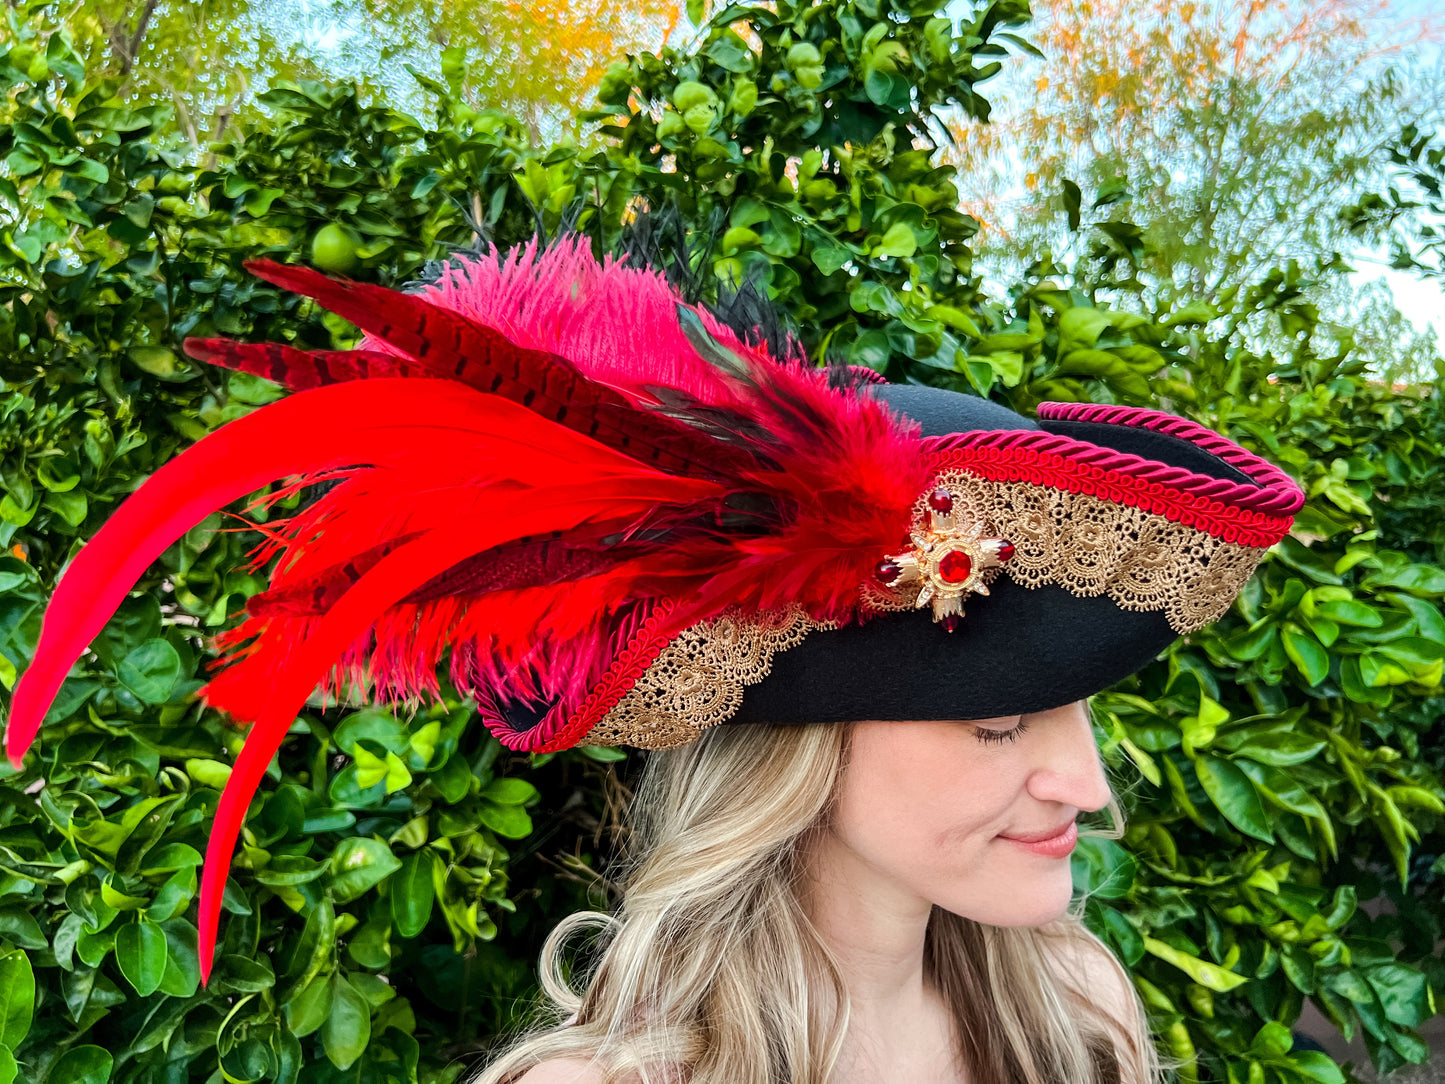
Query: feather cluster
point(521, 458)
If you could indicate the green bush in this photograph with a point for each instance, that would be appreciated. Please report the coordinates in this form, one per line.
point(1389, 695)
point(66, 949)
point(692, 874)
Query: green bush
point(395, 880)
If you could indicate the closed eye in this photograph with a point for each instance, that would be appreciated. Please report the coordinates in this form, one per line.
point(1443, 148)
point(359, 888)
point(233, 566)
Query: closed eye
point(989, 736)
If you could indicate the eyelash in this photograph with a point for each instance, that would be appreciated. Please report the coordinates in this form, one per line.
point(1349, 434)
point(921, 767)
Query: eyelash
point(990, 736)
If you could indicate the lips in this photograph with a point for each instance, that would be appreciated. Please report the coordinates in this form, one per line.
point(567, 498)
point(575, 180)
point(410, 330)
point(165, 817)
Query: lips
point(1058, 845)
point(1039, 837)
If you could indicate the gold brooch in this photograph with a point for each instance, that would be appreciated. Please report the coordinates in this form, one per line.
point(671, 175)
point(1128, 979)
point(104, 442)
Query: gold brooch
point(946, 560)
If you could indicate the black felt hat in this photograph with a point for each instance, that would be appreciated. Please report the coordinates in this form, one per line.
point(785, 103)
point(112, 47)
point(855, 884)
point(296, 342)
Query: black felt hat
point(1022, 649)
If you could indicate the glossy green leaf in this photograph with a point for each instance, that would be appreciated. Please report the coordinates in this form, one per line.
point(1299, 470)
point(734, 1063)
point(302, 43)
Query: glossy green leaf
point(82, 1065)
point(1233, 795)
point(412, 893)
point(1216, 978)
point(17, 998)
point(347, 1029)
point(141, 952)
point(359, 864)
point(151, 670)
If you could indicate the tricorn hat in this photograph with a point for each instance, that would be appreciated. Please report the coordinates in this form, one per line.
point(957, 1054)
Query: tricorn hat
point(621, 521)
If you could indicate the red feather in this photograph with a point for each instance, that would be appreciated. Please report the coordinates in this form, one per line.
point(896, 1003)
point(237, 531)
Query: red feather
point(403, 425)
point(449, 343)
point(486, 523)
point(300, 370)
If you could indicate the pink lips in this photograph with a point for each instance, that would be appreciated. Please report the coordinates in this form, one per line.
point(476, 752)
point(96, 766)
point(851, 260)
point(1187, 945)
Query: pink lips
point(1058, 845)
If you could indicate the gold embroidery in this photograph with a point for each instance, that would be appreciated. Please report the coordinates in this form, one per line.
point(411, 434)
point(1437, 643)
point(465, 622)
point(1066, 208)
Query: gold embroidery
point(1090, 546)
point(698, 679)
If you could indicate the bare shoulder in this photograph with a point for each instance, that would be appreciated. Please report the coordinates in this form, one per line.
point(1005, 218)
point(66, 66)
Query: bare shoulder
point(563, 1071)
point(1089, 966)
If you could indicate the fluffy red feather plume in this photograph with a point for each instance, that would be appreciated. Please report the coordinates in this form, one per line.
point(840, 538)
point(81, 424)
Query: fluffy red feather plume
point(526, 457)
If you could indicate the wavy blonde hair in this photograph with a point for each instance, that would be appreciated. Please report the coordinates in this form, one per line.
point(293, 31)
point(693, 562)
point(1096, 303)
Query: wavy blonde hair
point(711, 972)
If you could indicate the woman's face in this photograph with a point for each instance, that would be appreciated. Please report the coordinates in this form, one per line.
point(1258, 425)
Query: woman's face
point(929, 808)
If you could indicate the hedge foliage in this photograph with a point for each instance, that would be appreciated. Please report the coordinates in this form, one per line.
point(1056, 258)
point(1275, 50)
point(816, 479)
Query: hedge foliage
point(1281, 769)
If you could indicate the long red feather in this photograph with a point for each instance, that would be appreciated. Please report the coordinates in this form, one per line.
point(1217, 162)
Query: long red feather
point(400, 423)
point(389, 580)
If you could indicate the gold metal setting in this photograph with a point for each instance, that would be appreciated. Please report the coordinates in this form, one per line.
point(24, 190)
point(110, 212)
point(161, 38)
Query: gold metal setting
point(948, 560)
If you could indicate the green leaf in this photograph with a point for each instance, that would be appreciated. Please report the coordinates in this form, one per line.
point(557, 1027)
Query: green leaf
point(151, 670)
point(183, 961)
point(310, 1007)
point(412, 893)
point(140, 950)
point(1306, 652)
point(899, 240)
point(8, 1067)
point(506, 820)
point(347, 1030)
point(374, 724)
point(1217, 978)
point(1233, 795)
point(510, 791)
point(17, 998)
point(359, 864)
point(81, 1065)
point(1083, 325)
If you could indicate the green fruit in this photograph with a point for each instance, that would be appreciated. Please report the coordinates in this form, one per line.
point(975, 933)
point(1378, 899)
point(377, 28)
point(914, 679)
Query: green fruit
point(810, 77)
point(689, 94)
point(671, 124)
point(699, 118)
point(804, 55)
point(616, 84)
point(740, 237)
point(333, 250)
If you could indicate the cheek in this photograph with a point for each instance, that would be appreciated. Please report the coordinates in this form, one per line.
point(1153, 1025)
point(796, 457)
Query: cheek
point(925, 816)
point(918, 803)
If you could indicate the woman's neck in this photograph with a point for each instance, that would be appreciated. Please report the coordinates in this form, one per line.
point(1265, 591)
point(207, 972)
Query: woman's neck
point(898, 1028)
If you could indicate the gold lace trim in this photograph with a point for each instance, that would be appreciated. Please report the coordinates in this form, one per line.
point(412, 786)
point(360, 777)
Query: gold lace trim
point(1085, 544)
point(1091, 546)
point(698, 679)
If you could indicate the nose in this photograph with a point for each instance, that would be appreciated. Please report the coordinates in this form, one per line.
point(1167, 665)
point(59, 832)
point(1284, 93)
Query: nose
point(1068, 769)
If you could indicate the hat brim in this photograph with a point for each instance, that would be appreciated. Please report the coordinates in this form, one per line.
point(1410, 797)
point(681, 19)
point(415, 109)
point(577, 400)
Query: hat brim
point(1018, 650)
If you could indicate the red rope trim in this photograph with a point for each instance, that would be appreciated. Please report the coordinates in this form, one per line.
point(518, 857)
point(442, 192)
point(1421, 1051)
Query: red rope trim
point(1016, 464)
point(1267, 473)
point(1281, 497)
point(629, 665)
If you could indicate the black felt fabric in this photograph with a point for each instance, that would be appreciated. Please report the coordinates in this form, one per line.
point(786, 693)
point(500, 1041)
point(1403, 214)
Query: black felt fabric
point(1017, 650)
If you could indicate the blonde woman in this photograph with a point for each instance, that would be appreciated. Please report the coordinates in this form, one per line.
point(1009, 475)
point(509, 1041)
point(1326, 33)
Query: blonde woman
point(859, 623)
point(847, 903)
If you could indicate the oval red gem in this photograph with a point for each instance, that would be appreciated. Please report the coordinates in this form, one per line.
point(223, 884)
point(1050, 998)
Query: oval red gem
point(950, 622)
point(941, 501)
point(1005, 551)
point(955, 566)
point(885, 572)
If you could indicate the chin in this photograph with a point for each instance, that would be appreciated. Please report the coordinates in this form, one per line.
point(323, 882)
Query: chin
point(1018, 901)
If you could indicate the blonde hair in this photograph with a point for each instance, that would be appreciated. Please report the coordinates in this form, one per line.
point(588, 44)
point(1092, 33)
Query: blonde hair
point(711, 972)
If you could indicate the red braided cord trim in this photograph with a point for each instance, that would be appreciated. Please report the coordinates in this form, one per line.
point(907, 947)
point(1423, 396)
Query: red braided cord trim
point(629, 665)
point(1015, 464)
point(1280, 497)
point(866, 375)
point(1269, 475)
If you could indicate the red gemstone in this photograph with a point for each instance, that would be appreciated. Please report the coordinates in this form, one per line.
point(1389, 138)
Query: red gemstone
point(949, 622)
point(941, 501)
point(955, 567)
point(1005, 551)
point(885, 572)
